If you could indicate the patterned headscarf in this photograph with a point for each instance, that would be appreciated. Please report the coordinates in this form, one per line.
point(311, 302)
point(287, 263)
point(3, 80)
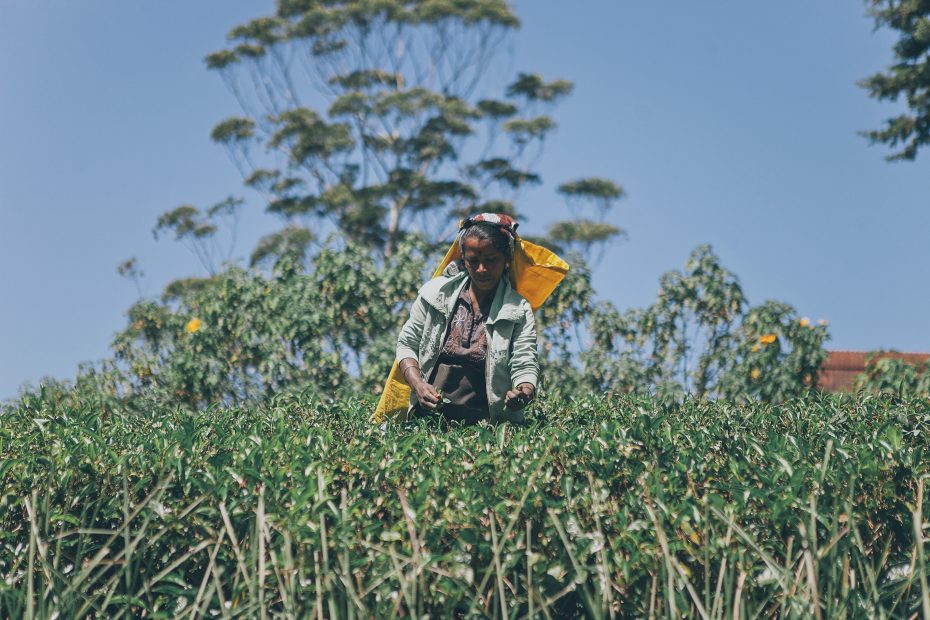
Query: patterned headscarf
point(504, 222)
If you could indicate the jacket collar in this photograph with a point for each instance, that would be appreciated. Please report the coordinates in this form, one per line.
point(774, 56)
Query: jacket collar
point(442, 292)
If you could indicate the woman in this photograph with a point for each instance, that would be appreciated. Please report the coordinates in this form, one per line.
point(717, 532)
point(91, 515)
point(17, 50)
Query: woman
point(468, 350)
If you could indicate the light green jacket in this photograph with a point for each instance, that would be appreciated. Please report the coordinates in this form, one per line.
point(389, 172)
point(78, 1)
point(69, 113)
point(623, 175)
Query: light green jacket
point(511, 327)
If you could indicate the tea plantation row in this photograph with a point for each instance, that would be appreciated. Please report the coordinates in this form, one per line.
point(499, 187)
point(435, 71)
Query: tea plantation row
point(604, 507)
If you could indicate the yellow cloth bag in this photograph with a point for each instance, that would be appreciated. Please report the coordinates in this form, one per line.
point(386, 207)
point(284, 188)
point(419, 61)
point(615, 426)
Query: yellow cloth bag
point(534, 273)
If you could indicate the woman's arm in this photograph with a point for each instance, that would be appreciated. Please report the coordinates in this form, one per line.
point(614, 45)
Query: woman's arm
point(524, 363)
point(407, 352)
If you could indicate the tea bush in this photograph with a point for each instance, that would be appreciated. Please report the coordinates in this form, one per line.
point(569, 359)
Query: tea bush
point(701, 337)
point(894, 377)
point(605, 507)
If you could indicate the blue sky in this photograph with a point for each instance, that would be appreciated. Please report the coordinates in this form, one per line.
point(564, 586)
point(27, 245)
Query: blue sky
point(730, 123)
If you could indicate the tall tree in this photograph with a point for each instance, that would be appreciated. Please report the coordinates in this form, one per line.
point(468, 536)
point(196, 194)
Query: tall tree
point(909, 76)
point(383, 117)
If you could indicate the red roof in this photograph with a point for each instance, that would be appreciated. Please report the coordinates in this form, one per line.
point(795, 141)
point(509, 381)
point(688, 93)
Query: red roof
point(841, 367)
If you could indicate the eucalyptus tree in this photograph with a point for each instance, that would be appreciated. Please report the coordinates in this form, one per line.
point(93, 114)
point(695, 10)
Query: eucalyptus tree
point(908, 77)
point(378, 118)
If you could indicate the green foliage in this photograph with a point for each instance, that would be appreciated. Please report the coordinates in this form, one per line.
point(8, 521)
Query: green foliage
point(700, 338)
point(241, 336)
point(895, 377)
point(233, 129)
point(597, 188)
point(532, 87)
point(292, 241)
point(909, 77)
point(130, 270)
point(184, 222)
point(561, 322)
point(600, 507)
point(777, 357)
point(198, 229)
point(582, 233)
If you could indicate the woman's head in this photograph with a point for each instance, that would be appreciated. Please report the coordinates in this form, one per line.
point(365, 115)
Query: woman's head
point(487, 249)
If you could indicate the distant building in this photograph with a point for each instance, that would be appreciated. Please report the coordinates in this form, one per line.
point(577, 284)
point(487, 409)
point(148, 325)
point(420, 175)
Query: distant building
point(841, 367)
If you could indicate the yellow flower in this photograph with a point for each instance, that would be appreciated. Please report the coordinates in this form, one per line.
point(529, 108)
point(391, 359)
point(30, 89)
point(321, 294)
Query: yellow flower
point(193, 325)
point(756, 348)
point(805, 322)
point(807, 380)
point(768, 338)
point(755, 373)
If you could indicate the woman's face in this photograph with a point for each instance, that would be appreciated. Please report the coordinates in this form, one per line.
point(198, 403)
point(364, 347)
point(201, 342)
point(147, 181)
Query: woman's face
point(484, 264)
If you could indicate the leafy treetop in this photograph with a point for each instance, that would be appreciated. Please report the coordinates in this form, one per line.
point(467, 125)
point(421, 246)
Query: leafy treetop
point(909, 76)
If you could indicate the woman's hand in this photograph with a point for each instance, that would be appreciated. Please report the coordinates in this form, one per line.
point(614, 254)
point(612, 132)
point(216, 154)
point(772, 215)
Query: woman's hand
point(427, 395)
point(519, 397)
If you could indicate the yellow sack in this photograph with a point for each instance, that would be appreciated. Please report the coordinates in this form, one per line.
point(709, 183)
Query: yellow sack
point(534, 273)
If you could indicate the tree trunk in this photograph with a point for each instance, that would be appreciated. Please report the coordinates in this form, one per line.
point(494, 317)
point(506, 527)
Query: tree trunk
point(393, 224)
